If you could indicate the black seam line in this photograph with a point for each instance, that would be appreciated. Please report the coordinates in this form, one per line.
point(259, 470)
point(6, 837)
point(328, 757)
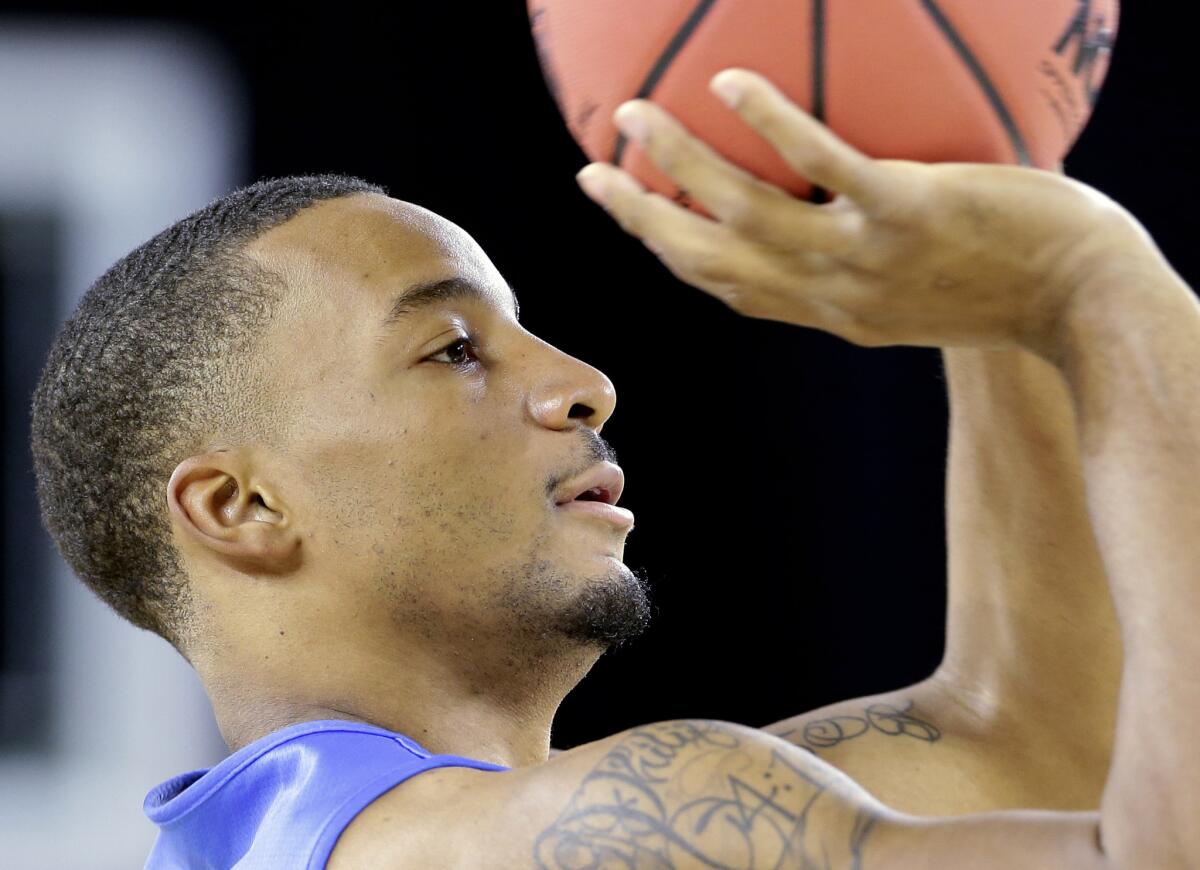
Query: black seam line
point(664, 60)
point(981, 77)
point(818, 58)
point(819, 194)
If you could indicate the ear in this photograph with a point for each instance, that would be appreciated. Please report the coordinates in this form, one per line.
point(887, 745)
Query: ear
point(219, 506)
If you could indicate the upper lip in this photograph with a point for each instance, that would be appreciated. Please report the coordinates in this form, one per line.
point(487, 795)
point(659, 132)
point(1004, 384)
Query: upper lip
point(605, 477)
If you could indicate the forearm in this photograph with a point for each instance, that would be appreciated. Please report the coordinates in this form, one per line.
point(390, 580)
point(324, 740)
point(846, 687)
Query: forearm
point(1027, 584)
point(1129, 349)
point(1129, 352)
point(1014, 486)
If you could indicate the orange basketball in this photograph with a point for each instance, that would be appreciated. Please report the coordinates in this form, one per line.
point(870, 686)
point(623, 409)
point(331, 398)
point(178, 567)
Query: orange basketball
point(929, 80)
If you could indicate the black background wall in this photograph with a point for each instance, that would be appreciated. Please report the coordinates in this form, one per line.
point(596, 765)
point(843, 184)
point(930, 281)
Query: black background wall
point(788, 485)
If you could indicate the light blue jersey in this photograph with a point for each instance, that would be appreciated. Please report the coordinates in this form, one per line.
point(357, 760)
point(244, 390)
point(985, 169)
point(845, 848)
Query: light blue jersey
point(282, 801)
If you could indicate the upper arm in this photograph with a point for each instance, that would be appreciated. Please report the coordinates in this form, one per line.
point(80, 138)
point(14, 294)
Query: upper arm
point(681, 794)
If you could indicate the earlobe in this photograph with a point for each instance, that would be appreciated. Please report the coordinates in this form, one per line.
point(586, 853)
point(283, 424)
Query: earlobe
point(215, 508)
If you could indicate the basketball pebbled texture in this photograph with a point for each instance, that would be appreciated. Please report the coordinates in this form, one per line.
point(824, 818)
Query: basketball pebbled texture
point(929, 80)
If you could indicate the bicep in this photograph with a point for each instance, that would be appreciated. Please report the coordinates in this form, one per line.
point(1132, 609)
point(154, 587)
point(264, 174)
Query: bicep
point(676, 794)
point(679, 794)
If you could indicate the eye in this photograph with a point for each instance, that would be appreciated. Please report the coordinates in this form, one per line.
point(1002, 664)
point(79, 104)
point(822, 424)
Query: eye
point(456, 353)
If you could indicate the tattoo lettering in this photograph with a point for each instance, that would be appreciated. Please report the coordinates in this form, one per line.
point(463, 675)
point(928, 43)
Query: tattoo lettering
point(883, 718)
point(863, 823)
point(693, 793)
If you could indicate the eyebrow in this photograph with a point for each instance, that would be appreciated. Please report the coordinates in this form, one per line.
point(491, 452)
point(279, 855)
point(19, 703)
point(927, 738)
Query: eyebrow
point(423, 295)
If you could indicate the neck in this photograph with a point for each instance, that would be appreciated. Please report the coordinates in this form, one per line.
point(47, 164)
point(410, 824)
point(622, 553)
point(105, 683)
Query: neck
point(492, 708)
point(1031, 626)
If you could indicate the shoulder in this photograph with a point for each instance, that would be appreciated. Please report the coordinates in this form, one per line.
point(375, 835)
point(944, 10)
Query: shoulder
point(397, 829)
point(673, 793)
point(460, 818)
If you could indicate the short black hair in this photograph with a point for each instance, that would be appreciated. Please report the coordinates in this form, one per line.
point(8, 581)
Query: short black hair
point(144, 371)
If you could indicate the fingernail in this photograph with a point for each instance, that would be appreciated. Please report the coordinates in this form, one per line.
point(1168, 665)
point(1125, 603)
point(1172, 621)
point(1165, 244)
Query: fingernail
point(632, 122)
point(725, 86)
point(591, 179)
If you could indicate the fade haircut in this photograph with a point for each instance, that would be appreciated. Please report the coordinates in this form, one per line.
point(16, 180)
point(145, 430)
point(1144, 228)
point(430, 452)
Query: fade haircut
point(151, 365)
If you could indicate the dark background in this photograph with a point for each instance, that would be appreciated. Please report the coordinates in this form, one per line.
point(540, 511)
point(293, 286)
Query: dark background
point(788, 485)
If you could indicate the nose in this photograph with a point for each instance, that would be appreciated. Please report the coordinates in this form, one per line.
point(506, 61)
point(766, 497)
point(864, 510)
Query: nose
point(569, 389)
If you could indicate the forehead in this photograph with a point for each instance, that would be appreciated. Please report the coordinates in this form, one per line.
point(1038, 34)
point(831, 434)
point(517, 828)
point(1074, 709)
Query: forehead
point(361, 249)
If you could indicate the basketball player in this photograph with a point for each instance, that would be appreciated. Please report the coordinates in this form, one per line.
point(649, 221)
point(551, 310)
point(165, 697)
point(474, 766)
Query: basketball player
point(375, 551)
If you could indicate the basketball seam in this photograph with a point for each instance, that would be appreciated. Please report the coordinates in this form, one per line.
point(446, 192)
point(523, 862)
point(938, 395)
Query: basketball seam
point(818, 58)
point(819, 194)
point(678, 41)
point(982, 79)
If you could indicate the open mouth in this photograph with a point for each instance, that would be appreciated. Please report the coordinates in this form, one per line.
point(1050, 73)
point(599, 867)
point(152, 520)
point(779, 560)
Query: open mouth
point(603, 483)
point(595, 493)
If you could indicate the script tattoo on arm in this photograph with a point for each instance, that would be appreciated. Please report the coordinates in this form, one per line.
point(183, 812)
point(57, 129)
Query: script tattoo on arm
point(881, 718)
point(693, 793)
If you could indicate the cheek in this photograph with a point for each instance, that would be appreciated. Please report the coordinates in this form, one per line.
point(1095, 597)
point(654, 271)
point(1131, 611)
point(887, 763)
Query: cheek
point(477, 453)
point(439, 476)
point(479, 491)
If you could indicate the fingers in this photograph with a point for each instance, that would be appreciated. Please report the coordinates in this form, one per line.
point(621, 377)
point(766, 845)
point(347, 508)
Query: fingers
point(710, 256)
point(809, 147)
point(648, 216)
point(674, 234)
point(749, 205)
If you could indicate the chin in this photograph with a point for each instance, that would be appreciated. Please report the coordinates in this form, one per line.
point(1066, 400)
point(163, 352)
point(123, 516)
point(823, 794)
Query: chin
point(609, 610)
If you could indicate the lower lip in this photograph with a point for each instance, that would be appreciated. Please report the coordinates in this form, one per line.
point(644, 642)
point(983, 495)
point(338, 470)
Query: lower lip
point(618, 516)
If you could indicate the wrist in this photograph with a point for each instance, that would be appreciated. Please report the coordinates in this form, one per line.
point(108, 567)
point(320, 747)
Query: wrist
point(1124, 302)
point(1113, 283)
point(971, 370)
point(994, 390)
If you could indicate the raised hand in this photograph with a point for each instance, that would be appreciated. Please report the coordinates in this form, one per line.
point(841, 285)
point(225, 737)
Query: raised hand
point(937, 255)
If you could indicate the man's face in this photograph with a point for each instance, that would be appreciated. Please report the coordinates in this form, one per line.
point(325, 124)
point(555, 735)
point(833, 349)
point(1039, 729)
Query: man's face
point(420, 458)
